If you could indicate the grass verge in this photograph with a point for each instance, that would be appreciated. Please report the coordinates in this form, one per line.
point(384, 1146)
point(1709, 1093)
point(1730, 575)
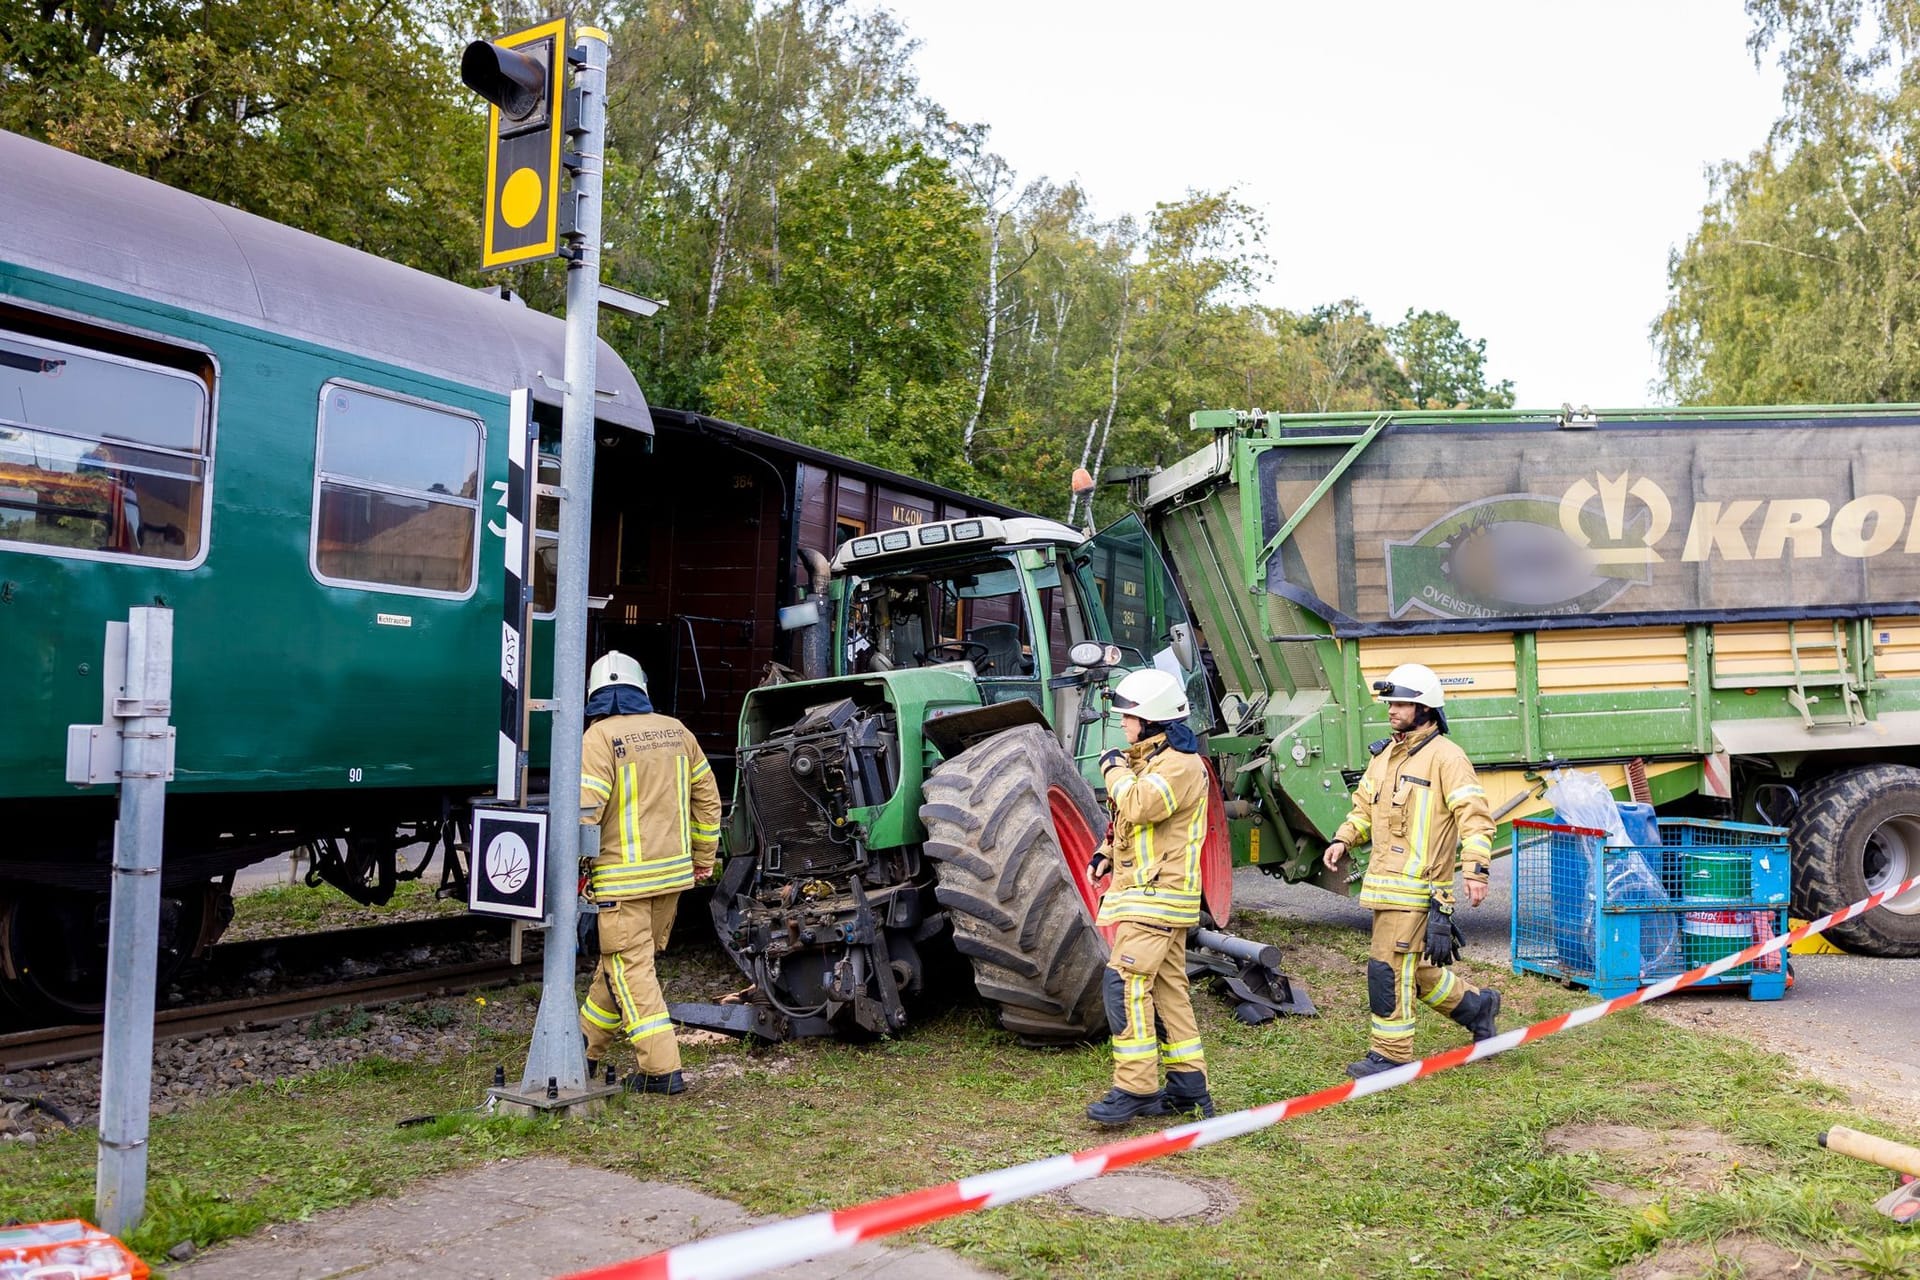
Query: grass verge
point(296, 908)
point(1450, 1176)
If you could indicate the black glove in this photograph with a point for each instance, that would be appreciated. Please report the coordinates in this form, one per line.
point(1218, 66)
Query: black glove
point(1111, 759)
point(1444, 942)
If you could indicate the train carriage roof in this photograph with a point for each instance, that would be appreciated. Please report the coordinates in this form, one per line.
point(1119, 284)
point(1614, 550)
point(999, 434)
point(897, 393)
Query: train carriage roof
point(79, 219)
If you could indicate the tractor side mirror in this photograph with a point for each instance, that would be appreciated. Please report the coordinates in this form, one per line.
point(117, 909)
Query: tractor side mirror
point(1180, 639)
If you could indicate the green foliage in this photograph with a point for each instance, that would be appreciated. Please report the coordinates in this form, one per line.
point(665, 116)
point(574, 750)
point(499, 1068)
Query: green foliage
point(843, 263)
point(342, 117)
point(1803, 282)
point(1444, 368)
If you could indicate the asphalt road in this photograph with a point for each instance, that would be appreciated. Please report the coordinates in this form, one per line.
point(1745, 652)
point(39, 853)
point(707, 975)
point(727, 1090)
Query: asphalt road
point(1855, 1019)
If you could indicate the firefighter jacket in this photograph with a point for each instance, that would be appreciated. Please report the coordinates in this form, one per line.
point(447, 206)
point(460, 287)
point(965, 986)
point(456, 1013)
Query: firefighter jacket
point(647, 785)
point(1159, 800)
point(1418, 800)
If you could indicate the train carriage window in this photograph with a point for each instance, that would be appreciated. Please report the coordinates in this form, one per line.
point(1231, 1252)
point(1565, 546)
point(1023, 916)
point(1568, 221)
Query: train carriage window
point(546, 540)
point(101, 456)
point(396, 503)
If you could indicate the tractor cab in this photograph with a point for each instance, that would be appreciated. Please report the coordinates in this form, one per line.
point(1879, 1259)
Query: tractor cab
point(1008, 602)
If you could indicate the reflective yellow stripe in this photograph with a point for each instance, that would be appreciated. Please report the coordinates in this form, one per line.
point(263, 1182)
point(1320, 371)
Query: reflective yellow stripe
point(652, 876)
point(1458, 794)
point(1181, 1051)
point(1163, 907)
point(629, 1007)
point(1388, 889)
point(683, 791)
point(599, 1017)
point(1441, 989)
point(630, 813)
point(701, 770)
point(1196, 842)
point(595, 785)
point(1422, 832)
point(1166, 792)
point(657, 1024)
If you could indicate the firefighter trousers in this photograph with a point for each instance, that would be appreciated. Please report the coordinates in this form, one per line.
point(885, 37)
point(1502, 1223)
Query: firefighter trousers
point(1149, 1008)
point(1397, 974)
point(624, 997)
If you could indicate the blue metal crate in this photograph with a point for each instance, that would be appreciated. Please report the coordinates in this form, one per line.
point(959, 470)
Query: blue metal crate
point(1613, 918)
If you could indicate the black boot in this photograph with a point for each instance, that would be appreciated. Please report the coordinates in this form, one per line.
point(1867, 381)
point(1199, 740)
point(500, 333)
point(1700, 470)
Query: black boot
point(671, 1082)
point(1119, 1106)
point(593, 1064)
point(1477, 1012)
point(1187, 1093)
point(1372, 1064)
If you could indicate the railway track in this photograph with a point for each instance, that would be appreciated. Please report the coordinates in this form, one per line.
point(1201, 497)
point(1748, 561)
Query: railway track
point(51, 1046)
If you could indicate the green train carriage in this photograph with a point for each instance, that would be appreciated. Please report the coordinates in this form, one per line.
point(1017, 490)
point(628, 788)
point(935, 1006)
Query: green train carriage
point(295, 446)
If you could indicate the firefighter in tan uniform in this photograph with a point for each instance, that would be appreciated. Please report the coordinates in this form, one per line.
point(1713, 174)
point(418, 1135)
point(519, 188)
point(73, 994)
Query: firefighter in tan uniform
point(1418, 800)
point(646, 784)
point(1158, 791)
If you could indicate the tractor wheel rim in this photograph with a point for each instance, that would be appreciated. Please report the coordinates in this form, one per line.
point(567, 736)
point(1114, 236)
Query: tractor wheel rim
point(1077, 843)
point(1892, 855)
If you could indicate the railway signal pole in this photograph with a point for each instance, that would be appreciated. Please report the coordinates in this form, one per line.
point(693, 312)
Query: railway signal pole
point(132, 747)
point(516, 83)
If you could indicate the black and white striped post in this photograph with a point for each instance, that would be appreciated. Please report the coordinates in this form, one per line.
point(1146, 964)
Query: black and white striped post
point(517, 601)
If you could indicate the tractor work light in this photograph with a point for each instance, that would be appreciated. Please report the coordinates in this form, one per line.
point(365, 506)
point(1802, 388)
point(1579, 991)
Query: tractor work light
point(899, 540)
point(967, 530)
point(866, 546)
point(932, 533)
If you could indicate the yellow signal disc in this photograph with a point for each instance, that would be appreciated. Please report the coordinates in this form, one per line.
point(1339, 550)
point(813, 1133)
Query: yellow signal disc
point(520, 198)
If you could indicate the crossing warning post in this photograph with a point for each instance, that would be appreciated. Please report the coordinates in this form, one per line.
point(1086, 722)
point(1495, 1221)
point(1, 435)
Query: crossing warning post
point(132, 747)
point(504, 73)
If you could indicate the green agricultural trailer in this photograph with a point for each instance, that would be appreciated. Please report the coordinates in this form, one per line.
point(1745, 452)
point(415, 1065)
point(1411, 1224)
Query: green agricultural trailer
point(1719, 608)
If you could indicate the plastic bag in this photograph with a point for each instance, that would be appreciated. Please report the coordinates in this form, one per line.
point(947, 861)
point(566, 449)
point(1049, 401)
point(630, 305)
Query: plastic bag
point(1631, 880)
point(1581, 799)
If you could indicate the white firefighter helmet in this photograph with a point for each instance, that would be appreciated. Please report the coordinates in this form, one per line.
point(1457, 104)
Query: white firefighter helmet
point(1411, 682)
point(615, 668)
point(1152, 695)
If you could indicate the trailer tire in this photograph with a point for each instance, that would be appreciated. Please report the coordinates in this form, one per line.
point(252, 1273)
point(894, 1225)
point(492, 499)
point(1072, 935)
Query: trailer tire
point(1006, 819)
point(1857, 833)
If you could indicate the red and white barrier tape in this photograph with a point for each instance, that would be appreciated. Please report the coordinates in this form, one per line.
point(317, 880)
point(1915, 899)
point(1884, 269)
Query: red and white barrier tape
point(745, 1253)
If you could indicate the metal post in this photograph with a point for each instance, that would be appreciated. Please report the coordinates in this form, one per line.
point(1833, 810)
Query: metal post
point(556, 1052)
point(133, 937)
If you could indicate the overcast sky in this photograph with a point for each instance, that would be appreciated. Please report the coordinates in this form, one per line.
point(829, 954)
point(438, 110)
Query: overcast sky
point(1525, 167)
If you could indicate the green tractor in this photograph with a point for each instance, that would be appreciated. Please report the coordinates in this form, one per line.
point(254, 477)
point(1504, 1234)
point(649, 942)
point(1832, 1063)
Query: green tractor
point(924, 789)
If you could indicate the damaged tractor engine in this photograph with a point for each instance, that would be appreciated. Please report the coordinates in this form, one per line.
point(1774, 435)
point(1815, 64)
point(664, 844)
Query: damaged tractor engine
point(827, 928)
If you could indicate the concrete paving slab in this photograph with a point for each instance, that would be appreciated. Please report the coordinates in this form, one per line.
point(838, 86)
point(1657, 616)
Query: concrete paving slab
point(524, 1220)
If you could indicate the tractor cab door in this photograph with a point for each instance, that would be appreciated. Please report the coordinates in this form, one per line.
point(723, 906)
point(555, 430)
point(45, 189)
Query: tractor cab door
point(1143, 611)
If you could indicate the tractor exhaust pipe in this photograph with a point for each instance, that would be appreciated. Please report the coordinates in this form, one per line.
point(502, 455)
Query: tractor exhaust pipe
point(814, 637)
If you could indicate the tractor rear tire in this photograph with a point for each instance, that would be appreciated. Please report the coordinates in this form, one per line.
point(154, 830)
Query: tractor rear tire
point(1858, 833)
point(1003, 818)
